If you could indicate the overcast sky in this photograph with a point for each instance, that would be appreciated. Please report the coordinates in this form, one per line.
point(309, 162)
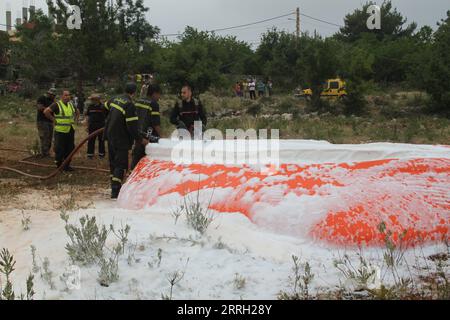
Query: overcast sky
point(171, 16)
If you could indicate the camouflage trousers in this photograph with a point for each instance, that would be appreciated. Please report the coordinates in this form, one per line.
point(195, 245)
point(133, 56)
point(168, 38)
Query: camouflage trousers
point(45, 130)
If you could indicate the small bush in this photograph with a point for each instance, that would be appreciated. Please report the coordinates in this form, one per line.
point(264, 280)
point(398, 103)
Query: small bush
point(36, 268)
point(109, 268)
point(301, 281)
point(239, 282)
point(26, 221)
point(47, 274)
point(86, 241)
point(197, 217)
point(7, 264)
point(287, 106)
point(254, 110)
point(354, 104)
point(174, 278)
point(87, 246)
point(361, 276)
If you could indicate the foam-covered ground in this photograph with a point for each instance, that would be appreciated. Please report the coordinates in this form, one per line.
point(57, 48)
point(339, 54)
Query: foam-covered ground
point(232, 245)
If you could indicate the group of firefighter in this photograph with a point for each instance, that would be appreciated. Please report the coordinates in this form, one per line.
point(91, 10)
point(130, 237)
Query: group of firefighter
point(129, 123)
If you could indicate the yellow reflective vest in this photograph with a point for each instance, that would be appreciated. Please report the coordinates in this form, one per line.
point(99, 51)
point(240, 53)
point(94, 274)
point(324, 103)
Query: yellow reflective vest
point(65, 119)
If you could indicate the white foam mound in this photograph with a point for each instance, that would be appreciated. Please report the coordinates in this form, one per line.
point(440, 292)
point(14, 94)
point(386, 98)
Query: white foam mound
point(293, 151)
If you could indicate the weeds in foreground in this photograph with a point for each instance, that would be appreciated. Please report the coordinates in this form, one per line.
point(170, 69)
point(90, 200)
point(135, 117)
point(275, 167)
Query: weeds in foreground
point(437, 281)
point(174, 278)
point(7, 264)
point(26, 221)
point(156, 260)
point(121, 234)
point(86, 241)
point(30, 287)
point(67, 204)
point(35, 268)
point(239, 282)
point(197, 216)
point(109, 267)
point(88, 246)
point(362, 276)
point(394, 254)
point(47, 274)
point(301, 280)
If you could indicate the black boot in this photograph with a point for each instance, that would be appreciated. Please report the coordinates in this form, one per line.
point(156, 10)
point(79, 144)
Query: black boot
point(115, 190)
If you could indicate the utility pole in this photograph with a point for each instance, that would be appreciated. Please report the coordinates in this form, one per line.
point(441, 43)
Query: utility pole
point(297, 12)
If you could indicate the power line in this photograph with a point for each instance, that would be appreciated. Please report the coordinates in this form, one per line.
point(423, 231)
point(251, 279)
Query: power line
point(266, 26)
point(309, 23)
point(253, 23)
point(323, 21)
point(235, 27)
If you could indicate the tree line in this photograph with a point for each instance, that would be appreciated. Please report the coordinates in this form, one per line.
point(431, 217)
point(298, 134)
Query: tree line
point(116, 41)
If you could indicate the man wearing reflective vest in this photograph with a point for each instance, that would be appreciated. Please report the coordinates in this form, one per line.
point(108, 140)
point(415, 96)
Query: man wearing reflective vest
point(64, 115)
point(147, 110)
point(121, 131)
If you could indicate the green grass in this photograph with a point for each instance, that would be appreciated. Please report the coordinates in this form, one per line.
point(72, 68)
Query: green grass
point(392, 117)
point(13, 108)
point(423, 129)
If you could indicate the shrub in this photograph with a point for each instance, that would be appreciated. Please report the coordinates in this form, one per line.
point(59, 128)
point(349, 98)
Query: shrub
point(254, 110)
point(301, 280)
point(86, 241)
point(287, 106)
point(109, 268)
point(87, 246)
point(239, 282)
point(7, 264)
point(197, 217)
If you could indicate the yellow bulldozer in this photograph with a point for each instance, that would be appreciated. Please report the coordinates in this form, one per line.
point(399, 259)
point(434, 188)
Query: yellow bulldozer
point(333, 88)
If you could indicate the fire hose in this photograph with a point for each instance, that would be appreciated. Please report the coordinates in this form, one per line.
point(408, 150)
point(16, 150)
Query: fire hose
point(61, 167)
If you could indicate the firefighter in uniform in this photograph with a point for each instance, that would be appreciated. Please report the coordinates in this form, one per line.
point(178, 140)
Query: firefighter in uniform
point(96, 115)
point(121, 131)
point(45, 125)
point(64, 115)
point(190, 110)
point(149, 123)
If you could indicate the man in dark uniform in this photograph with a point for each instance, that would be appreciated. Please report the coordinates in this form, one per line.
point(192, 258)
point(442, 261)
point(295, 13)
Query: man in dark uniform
point(96, 115)
point(121, 131)
point(80, 102)
point(190, 110)
point(147, 110)
point(64, 115)
point(45, 125)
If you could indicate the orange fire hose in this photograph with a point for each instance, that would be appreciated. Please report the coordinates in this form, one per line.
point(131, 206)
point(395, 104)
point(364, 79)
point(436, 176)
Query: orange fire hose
point(58, 170)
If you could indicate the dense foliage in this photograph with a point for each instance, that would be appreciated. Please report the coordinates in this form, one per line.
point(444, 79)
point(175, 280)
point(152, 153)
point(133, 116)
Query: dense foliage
point(117, 41)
